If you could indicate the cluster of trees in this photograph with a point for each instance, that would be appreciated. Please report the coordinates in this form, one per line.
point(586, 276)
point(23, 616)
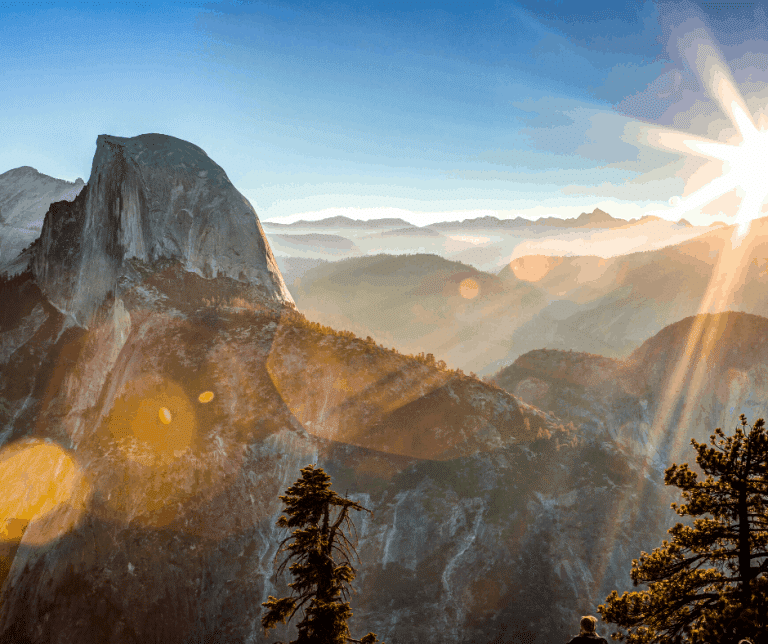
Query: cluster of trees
point(707, 584)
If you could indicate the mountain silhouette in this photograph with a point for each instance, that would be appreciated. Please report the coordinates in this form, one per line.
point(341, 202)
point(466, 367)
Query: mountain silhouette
point(25, 195)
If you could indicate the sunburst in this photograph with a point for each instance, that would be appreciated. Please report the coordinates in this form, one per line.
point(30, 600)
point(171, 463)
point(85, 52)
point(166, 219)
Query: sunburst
point(744, 157)
point(744, 168)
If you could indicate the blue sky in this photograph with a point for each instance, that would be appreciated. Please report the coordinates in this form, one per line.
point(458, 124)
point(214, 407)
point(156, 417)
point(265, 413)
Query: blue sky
point(422, 110)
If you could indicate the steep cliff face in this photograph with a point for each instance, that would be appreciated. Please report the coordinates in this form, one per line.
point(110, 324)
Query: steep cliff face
point(25, 195)
point(149, 197)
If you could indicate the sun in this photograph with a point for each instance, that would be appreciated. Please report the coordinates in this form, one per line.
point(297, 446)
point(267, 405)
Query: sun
point(744, 157)
point(745, 168)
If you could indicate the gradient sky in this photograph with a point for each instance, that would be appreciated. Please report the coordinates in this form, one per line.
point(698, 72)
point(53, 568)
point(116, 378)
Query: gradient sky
point(427, 111)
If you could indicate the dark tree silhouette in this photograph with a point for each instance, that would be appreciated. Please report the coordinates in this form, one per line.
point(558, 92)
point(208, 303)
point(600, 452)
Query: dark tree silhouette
point(321, 568)
point(710, 582)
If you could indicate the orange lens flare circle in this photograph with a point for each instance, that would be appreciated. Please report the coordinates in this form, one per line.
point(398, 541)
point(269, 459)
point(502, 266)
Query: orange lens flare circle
point(468, 288)
point(43, 493)
point(157, 414)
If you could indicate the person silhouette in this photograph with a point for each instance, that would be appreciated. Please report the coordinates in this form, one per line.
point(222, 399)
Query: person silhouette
point(587, 634)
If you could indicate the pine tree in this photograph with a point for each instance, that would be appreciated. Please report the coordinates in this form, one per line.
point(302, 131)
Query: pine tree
point(321, 569)
point(710, 582)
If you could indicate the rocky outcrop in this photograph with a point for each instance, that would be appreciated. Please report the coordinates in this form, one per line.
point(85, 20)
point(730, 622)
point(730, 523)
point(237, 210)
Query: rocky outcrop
point(25, 196)
point(150, 197)
point(691, 377)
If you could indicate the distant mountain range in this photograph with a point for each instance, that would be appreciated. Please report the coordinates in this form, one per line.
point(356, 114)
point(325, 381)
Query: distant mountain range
point(585, 303)
point(595, 219)
point(344, 222)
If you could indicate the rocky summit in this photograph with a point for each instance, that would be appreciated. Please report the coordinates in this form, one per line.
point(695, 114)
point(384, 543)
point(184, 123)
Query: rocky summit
point(149, 197)
point(25, 195)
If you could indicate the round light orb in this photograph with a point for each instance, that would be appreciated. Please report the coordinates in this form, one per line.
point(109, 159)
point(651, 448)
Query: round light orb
point(468, 288)
point(165, 415)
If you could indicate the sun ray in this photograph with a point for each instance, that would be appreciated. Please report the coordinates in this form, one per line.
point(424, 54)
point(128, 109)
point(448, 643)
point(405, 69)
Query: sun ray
point(682, 142)
point(708, 193)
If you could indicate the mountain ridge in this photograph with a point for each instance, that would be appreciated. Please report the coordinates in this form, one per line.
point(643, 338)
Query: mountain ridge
point(596, 219)
point(25, 195)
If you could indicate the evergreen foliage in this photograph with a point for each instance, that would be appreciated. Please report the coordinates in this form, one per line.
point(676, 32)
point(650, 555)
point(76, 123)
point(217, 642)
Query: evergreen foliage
point(710, 582)
point(321, 568)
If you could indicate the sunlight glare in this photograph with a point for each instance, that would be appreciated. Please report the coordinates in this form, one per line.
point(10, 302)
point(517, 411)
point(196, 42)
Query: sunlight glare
point(39, 480)
point(744, 163)
point(744, 157)
point(468, 288)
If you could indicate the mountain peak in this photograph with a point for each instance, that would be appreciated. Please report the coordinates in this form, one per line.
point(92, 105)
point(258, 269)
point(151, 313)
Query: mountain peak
point(21, 170)
point(150, 197)
point(595, 217)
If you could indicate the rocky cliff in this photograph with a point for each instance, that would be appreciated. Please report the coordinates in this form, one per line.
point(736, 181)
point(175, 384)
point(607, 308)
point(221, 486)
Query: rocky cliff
point(149, 197)
point(25, 196)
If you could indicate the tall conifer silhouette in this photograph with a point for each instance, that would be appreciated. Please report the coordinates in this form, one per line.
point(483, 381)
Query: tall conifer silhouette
point(320, 550)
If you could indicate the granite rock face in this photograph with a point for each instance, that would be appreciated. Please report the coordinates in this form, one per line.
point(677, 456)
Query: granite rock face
point(150, 197)
point(25, 195)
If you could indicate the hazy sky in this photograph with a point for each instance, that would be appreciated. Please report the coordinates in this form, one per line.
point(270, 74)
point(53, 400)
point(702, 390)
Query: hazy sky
point(423, 110)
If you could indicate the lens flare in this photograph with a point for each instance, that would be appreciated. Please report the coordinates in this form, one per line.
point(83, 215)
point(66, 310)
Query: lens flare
point(41, 487)
point(468, 288)
point(740, 162)
point(155, 412)
point(205, 397)
point(332, 398)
